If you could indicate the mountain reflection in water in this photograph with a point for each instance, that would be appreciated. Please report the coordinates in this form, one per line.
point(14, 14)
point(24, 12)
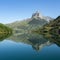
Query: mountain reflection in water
point(30, 47)
point(37, 41)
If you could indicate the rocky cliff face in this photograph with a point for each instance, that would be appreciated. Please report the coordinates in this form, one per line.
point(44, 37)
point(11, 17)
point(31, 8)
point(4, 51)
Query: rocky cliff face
point(37, 14)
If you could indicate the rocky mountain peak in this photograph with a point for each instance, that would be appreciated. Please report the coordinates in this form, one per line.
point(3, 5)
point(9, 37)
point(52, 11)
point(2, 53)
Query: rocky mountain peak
point(37, 14)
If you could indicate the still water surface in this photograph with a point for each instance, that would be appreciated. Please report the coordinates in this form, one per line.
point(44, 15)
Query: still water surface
point(30, 47)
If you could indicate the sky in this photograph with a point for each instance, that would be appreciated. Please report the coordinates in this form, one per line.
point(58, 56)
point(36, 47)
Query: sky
point(15, 10)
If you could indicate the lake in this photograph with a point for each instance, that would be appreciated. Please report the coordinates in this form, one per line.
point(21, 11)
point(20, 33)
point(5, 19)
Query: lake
point(30, 47)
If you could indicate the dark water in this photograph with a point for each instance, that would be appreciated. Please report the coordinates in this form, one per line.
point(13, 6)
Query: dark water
point(30, 47)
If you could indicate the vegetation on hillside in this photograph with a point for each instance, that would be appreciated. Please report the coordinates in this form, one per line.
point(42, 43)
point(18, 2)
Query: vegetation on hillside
point(52, 27)
point(4, 29)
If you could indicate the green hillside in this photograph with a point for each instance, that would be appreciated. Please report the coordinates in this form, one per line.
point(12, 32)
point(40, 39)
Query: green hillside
point(4, 29)
point(52, 27)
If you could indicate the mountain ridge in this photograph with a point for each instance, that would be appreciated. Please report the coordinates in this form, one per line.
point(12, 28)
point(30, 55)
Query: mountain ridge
point(37, 20)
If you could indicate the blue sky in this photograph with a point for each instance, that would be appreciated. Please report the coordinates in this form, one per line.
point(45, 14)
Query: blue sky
point(13, 10)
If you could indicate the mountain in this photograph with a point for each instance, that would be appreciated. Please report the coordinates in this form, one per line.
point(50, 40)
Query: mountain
point(55, 22)
point(55, 26)
point(37, 14)
point(37, 20)
point(52, 27)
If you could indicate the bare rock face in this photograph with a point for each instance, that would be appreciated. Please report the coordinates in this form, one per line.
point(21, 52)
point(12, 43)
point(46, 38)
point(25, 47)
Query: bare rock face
point(37, 14)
